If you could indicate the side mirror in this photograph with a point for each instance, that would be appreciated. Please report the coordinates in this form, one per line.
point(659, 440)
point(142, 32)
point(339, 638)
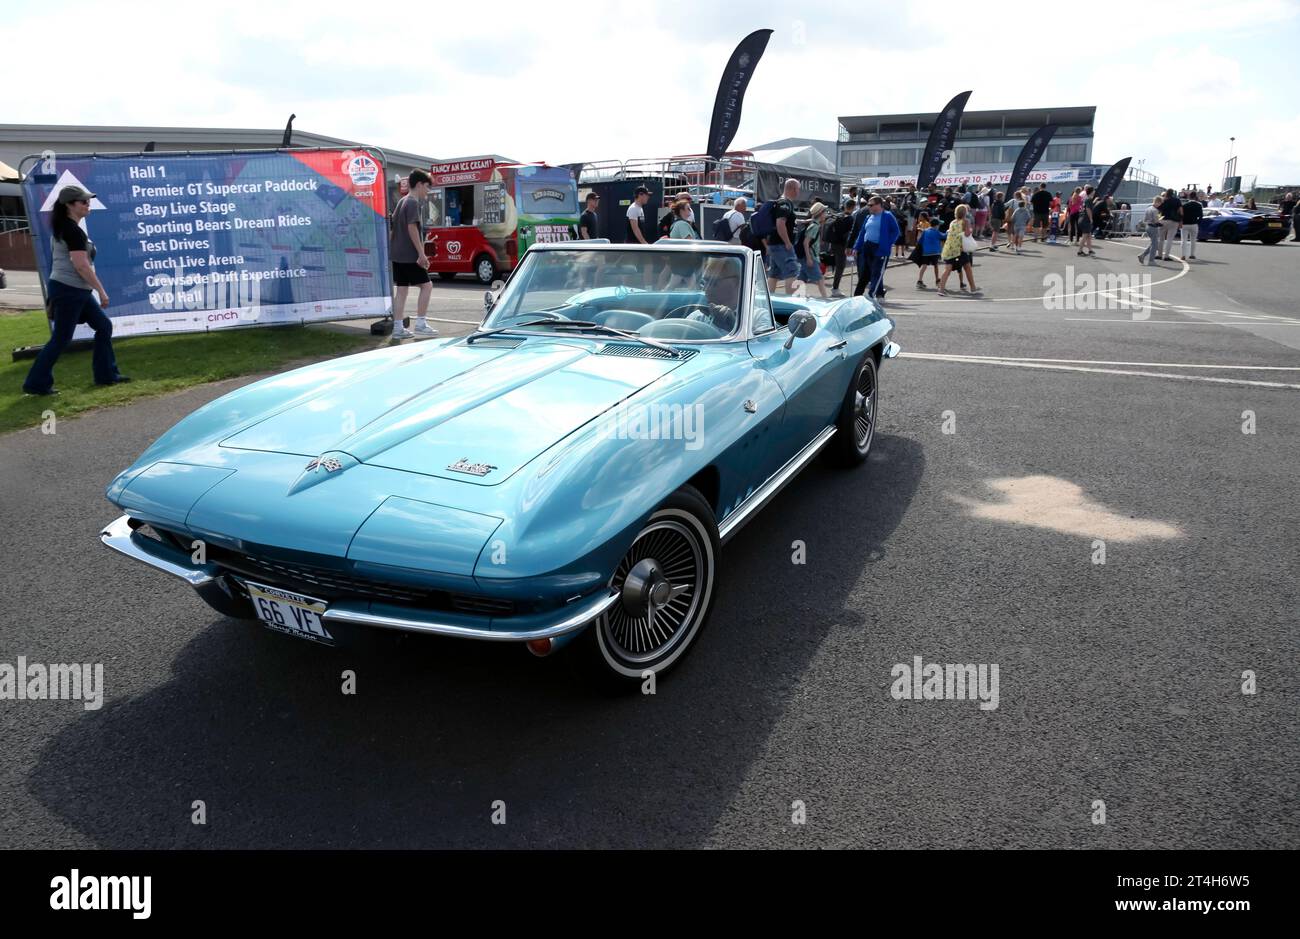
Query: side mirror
point(488, 302)
point(802, 325)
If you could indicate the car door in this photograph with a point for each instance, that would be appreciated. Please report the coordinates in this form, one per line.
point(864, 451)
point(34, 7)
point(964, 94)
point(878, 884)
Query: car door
point(809, 375)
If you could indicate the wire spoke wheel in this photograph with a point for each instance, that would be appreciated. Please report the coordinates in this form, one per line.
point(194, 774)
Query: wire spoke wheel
point(864, 410)
point(660, 583)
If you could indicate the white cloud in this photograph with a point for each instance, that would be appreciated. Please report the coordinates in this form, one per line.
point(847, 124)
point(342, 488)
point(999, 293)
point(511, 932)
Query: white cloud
point(569, 80)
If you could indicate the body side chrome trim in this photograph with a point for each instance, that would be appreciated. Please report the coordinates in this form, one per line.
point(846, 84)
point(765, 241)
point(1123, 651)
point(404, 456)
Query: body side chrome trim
point(774, 484)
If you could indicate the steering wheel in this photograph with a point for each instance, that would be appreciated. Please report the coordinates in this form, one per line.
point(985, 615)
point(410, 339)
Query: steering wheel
point(545, 314)
point(676, 313)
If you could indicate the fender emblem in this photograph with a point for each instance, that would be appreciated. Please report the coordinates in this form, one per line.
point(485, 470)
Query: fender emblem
point(474, 469)
point(329, 464)
point(750, 406)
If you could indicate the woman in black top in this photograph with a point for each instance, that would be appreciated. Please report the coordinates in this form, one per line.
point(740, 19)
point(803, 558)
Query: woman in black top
point(71, 291)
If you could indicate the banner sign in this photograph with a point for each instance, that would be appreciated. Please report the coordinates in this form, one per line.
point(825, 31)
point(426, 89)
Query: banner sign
point(942, 135)
point(1030, 154)
point(1110, 182)
point(966, 179)
point(813, 187)
point(187, 242)
point(462, 172)
point(731, 91)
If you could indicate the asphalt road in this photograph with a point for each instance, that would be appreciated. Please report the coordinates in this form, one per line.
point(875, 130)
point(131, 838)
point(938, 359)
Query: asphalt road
point(1118, 682)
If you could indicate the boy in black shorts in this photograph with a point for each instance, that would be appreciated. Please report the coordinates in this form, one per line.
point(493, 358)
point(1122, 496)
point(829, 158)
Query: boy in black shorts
point(410, 264)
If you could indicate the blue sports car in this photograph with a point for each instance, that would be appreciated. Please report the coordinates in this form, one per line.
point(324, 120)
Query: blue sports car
point(564, 474)
point(1232, 224)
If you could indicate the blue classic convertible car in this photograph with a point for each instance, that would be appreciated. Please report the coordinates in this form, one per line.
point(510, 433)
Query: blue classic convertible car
point(564, 474)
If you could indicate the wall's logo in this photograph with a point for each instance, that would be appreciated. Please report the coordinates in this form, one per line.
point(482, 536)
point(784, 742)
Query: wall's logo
point(474, 469)
point(362, 169)
point(453, 247)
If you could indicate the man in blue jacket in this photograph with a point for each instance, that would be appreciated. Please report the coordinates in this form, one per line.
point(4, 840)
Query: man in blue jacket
point(875, 240)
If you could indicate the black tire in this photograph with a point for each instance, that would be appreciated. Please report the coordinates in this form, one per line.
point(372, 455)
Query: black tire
point(616, 651)
point(485, 270)
point(1230, 233)
point(855, 428)
point(447, 275)
point(1272, 239)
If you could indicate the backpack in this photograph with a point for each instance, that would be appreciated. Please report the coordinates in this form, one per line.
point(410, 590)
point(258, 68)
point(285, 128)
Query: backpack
point(722, 227)
point(666, 223)
point(838, 230)
point(762, 224)
point(747, 238)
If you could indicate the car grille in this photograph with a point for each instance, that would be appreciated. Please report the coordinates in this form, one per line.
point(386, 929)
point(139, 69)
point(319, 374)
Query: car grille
point(326, 583)
point(316, 581)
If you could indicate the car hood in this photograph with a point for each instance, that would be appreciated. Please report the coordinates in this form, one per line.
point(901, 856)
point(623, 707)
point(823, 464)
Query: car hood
point(487, 408)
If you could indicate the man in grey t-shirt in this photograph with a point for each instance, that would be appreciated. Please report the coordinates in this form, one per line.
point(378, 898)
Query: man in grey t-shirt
point(410, 264)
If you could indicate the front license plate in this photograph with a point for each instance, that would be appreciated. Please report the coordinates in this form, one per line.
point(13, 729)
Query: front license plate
point(290, 613)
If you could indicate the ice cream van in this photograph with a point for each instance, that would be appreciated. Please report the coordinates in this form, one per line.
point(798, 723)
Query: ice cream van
point(483, 215)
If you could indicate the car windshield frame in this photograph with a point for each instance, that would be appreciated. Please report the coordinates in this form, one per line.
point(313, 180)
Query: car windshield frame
point(518, 282)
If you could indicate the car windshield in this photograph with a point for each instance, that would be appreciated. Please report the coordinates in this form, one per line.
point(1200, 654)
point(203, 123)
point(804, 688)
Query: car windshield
point(668, 295)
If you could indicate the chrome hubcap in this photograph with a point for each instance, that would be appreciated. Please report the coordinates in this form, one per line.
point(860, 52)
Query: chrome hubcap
point(658, 582)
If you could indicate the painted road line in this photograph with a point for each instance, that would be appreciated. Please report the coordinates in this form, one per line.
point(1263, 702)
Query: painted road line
point(1083, 293)
point(1236, 323)
point(1010, 358)
point(1104, 371)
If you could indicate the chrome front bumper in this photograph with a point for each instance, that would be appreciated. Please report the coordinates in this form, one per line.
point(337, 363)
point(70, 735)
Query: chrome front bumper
point(204, 578)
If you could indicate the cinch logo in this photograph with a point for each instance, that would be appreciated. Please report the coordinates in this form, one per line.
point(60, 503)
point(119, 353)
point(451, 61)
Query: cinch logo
point(222, 317)
point(363, 170)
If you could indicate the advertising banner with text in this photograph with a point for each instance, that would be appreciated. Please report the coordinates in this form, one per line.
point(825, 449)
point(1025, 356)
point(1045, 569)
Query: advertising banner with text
point(965, 179)
point(187, 242)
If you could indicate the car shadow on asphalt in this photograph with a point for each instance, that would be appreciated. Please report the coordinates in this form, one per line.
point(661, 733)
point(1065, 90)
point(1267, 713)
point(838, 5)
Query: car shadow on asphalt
point(440, 734)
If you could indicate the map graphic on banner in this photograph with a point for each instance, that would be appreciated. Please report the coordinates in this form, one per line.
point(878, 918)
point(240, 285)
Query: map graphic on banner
point(189, 242)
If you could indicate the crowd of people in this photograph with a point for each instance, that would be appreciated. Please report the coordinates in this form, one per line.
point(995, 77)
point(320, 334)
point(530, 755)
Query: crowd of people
point(935, 230)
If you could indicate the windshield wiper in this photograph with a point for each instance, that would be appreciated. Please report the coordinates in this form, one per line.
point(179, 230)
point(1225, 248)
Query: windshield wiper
point(579, 324)
point(480, 333)
point(622, 333)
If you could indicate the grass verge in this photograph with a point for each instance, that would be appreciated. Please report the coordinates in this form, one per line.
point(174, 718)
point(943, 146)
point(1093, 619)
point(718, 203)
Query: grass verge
point(156, 364)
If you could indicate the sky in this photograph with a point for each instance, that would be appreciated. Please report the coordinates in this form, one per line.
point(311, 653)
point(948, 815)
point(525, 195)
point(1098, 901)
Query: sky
point(565, 81)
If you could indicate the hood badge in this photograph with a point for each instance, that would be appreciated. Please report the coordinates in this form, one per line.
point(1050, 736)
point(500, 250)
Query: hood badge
point(750, 405)
point(463, 465)
point(329, 464)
